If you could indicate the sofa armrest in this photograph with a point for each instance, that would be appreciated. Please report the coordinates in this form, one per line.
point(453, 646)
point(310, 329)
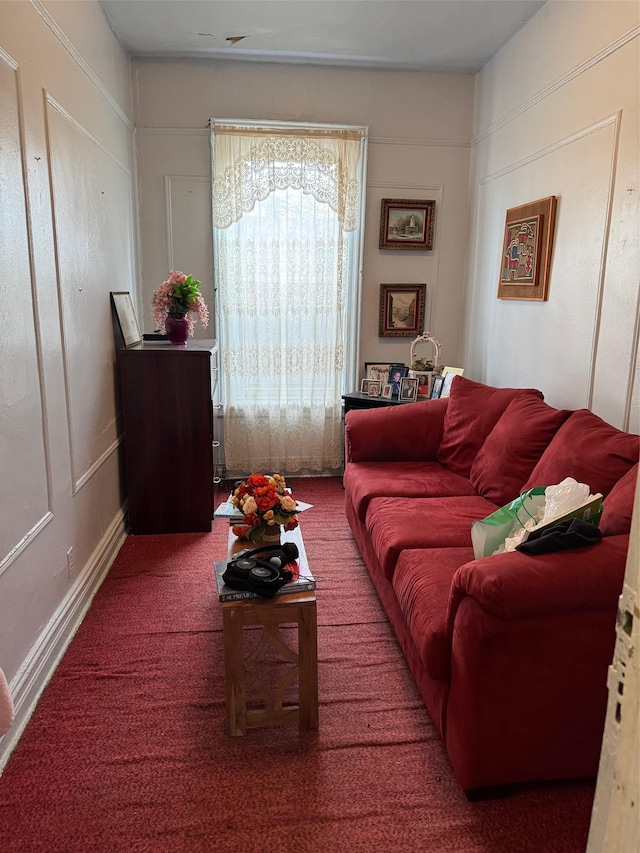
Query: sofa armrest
point(411, 432)
point(514, 585)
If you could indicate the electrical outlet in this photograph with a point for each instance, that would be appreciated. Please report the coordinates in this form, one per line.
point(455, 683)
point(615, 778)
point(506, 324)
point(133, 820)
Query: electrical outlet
point(70, 563)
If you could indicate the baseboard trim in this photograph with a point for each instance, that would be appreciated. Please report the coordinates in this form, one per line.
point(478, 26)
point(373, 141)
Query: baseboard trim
point(46, 653)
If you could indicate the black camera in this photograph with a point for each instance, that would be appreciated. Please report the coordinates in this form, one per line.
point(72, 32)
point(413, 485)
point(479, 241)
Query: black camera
point(262, 570)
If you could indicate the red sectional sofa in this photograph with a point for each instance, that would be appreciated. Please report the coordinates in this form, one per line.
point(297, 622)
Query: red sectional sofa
point(510, 652)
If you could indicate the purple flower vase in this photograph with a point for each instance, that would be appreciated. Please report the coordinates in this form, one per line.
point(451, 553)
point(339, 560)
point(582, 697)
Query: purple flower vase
point(177, 328)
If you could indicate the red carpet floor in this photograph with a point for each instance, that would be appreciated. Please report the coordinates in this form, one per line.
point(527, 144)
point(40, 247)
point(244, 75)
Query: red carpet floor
point(127, 751)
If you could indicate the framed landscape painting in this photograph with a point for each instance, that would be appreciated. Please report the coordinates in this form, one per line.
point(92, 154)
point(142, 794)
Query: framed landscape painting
point(526, 250)
point(402, 310)
point(406, 224)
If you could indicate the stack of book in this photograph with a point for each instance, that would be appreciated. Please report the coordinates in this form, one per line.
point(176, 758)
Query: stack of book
point(303, 581)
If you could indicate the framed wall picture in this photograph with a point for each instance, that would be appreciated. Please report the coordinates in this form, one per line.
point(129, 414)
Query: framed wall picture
point(526, 250)
point(127, 320)
point(377, 370)
point(406, 224)
point(401, 310)
point(408, 390)
point(448, 374)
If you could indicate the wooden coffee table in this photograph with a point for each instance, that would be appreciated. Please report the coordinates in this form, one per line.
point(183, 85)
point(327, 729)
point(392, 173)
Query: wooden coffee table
point(242, 668)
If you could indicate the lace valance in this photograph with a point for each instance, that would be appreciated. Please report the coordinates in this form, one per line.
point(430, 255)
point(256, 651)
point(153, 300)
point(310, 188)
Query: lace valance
point(251, 162)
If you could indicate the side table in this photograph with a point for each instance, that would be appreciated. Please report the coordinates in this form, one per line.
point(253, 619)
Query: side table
point(242, 668)
point(358, 400)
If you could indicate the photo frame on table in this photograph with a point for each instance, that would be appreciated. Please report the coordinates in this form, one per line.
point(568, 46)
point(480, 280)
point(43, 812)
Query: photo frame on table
point(408, 390)
point(526, 250)
point(402, 309)
point(436, 388)
point(386, 391)
point(377, 370)
point(448, 374)
point(396, 373)
point(406, 224)
point(127, 320)
point(375, 387)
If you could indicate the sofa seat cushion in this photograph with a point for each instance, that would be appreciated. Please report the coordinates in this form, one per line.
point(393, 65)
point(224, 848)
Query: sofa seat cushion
point(422, 584)
point(514, 446)
point(473, 411)
point(589, 450)
point(398, 524)
point(618, 507)
point(366, 480)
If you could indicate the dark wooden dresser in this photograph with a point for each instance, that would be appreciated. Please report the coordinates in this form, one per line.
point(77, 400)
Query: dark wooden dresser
point(168, 407)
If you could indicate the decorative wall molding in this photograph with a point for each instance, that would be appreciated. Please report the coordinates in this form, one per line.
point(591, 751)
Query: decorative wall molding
point(47, 651)
point(400, 185)
point(168, 181)
point(172, 131)
point(614, 122)
point(26, 540)
point(553, 147)
point(35, 530)
point(376, 140)
point(425, 143)
point(78, 480)
point(57, 106)
point(605, 53)
point(81, 63)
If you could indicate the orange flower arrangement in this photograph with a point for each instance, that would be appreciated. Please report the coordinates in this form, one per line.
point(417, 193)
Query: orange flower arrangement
point(266, 503)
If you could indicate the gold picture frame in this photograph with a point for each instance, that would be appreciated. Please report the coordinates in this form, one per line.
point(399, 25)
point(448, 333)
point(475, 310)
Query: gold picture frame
point(526, 250)
point(406, 224)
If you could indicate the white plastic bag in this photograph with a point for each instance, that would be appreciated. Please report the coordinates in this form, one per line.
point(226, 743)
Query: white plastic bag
point(563, 497)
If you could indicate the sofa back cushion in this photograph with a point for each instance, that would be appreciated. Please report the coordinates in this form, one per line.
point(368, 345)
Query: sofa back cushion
point(589, 450)
point(472, 413)
point(513, 447)
point(618, 507)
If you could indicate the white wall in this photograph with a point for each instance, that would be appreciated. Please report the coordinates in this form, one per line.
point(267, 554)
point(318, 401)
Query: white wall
point(66, 240)
point(419, 147)
point(556, 113)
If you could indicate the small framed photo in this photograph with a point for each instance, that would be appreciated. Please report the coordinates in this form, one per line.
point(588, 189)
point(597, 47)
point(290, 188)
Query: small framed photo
point(448, 374)
point(375, 388)
point(526, 250)
point(127, 320)
point(376, 370)
point(396, 373)
point(364, 386)
point(408, 390)
point(406, 224)
point(436, 388)
point(386, 391)
point(402, 310)
point(425, 381)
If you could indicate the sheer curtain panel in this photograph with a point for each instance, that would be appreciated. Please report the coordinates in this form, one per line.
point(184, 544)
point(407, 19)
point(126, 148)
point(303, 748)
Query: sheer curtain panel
point(287, 215)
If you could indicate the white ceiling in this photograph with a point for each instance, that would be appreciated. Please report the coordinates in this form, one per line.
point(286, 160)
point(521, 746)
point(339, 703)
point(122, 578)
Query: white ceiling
point(435, 35)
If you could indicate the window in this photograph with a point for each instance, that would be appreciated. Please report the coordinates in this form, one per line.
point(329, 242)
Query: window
point(287, 212)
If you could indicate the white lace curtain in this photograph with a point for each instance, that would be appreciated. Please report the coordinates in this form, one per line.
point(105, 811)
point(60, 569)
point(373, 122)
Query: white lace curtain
point(287, 246)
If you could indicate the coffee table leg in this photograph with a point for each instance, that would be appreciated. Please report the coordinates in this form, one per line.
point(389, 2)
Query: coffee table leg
point(308, 661)
point(234, 672)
